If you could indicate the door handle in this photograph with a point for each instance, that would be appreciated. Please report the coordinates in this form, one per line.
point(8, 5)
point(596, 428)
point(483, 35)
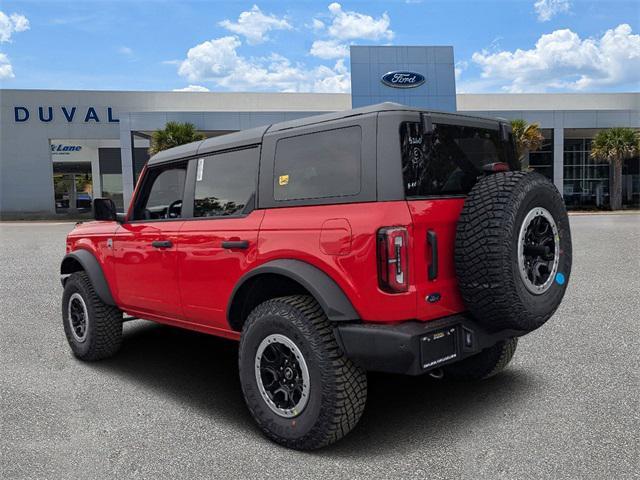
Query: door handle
point(162, 244)
point(432, 241)
point(241, 244)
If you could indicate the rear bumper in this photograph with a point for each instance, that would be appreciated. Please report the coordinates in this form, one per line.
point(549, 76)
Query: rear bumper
point(415, 347)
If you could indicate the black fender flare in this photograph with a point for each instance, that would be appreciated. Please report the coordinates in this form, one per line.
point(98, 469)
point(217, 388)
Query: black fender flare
point(321, 286)
point(93, 269)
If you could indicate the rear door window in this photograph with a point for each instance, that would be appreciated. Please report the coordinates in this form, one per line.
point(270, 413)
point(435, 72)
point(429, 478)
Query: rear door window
point(226, 183)
point(449, 160)
point(318, 165)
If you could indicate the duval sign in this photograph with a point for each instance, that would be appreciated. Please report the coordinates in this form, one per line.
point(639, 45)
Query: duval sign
point(69, 114)
point(402, 79)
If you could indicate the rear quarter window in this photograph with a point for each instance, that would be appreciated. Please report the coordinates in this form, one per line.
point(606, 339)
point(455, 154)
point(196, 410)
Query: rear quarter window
point(318, 165)
point(449, 160)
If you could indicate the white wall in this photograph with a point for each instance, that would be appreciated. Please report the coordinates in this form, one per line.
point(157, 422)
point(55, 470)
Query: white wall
point(26, 183)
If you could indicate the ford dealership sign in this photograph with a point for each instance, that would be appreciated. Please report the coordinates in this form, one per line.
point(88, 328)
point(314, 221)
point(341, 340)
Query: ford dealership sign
point(402, 79)
point(70, 114)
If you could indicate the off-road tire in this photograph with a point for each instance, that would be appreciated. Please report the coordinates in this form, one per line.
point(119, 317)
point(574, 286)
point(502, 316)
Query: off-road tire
point(104, 324)
point(338, 388)
point(485, 364)
point(486, 251)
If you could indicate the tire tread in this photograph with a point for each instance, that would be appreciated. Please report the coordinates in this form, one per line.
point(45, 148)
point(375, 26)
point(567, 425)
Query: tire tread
point(345, 384)
point(483, 259)
point(105, 322)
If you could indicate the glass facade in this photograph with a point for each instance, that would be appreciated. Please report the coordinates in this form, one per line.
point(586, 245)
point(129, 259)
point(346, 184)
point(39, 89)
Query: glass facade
point(586, 181)
point(542, 159)
point(72, 186)
point(631, 183)
point(111, 175)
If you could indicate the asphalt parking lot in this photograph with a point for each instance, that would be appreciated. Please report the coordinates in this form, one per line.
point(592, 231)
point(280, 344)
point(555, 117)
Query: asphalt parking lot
point(170, 406)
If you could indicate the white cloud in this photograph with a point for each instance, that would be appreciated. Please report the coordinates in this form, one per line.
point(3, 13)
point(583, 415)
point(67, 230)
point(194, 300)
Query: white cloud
point(329, 49)
point(6, 70)
point(547, 9)
point(125, 51)
point(348, 25)
point(218, 61)
point(562, 60)
point(344, 27)
point(10, 24)
point(254, 25)
point(210, 59)
point(192, 88)
point(332, 80)
point(460, 67)
point(317, 25)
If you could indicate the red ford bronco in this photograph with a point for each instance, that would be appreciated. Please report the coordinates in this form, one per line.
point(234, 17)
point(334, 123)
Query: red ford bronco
point(377, 239)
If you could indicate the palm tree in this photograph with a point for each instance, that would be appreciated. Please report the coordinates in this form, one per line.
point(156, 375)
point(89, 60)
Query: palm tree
point(527, 136)
point(172, 135)
point(614, 146)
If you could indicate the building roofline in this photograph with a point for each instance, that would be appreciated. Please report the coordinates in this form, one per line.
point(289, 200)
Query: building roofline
point(547, 101)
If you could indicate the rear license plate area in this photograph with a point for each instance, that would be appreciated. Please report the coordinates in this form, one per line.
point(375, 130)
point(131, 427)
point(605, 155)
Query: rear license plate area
point(438, 347)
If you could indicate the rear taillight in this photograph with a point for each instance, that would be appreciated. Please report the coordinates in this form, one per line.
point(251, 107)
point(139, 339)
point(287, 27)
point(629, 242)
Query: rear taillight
point(496, 167)
point(393, 259)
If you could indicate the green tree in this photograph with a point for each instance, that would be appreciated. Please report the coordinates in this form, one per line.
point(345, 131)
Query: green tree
point(172, 135)
point(614, 146)
point(527, 136)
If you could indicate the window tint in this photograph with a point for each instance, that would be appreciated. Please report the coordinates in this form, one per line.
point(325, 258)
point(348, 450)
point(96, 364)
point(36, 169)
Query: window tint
point(164, 198)
point(226, 183)
point(449, 160)
point(318, 165)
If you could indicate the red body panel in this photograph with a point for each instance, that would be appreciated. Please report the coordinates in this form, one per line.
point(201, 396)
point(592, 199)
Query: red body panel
point(207, 272)
point(93, 236)
point(147, 277)
point(190, 283)
point(296, 233)
point(439, 216)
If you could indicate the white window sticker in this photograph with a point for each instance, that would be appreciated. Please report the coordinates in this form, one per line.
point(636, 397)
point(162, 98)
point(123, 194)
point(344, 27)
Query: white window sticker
point(200, 168)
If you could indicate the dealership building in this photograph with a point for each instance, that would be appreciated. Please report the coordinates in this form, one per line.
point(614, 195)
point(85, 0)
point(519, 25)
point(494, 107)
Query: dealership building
point(61, 148)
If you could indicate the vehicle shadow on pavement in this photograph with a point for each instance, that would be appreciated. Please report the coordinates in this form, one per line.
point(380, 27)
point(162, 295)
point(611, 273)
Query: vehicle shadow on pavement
point(405, 414)
point(402, 413)
point(200, 371)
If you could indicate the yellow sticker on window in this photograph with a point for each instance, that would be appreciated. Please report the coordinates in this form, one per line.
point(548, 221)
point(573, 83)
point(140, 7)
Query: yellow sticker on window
point(283, 180)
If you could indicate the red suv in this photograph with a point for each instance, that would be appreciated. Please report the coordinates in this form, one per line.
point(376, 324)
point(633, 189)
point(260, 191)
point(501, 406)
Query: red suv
point(377, 239)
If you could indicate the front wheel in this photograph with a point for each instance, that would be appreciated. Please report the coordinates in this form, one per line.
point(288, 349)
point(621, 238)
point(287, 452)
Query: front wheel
point(93, 328)
point(300, 388)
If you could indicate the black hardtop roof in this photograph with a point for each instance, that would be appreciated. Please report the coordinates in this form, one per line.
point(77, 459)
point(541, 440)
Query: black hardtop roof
point(254, 136)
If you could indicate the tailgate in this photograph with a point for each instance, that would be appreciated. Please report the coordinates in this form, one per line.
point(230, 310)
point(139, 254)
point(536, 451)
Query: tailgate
point(434, 231)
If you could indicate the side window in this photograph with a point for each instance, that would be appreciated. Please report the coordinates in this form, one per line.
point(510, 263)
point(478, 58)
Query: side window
point(318, 165)
point(226, 183)
point(162, 194)
point(449, 160)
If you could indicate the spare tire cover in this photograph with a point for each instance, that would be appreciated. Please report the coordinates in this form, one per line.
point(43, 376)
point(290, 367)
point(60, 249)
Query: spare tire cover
point(513, 251)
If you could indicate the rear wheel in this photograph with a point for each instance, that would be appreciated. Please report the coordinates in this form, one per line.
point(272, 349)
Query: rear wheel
point(93, 328)
point(300, 388)
point(485, 364)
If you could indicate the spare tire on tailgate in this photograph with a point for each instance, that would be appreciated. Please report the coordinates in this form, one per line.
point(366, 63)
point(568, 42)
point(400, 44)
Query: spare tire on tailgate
point(513, 251)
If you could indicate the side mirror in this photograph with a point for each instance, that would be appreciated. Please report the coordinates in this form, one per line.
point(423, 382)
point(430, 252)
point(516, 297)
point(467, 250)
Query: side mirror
point(104, 209)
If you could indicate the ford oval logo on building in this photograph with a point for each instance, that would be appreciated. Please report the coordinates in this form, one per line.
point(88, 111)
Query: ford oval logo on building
point(402, 79)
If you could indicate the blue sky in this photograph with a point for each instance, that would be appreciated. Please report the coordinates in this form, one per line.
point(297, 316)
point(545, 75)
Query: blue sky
point(500, 46)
